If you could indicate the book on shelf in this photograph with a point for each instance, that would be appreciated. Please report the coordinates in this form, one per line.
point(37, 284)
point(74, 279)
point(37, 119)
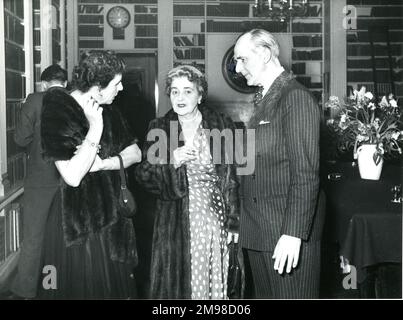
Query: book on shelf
point(151, 8)
point(189, 53)
point(314, 10)
point(187, 41)
point(298, 68)
point(146, 31)
point(236, 26)
point(307, 41)
point(228, 10)
point(177, 42)
point(187, 10)
point(385, 11)
point(146, 19)
point(90, 8)
point(146, 43)
point(2, 236)
point(10, 227)
point(366, 63)
point(307, 27)
point(93, 19)
point(307, 54)
point(363, 76)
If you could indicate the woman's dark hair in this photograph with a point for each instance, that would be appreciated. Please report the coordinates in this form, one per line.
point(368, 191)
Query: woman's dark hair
point(192, 74)
point(96, 68)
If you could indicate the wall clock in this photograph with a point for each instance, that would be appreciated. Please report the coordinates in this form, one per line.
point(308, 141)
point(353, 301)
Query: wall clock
point(235, 80)
point(118, 17)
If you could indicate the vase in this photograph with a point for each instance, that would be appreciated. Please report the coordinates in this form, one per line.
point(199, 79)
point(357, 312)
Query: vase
point(366, 164)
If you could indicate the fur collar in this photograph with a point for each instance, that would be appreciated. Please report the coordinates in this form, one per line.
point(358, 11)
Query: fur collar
point(93, 206)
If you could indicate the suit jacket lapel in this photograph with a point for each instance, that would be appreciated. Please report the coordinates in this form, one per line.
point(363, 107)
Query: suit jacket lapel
point(270, 99)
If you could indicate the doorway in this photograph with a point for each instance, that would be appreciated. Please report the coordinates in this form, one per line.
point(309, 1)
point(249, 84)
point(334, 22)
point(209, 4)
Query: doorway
point(137, 100)
point(138, 106)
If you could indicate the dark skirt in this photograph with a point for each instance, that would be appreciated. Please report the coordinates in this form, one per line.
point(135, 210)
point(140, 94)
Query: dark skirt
point(81, 271)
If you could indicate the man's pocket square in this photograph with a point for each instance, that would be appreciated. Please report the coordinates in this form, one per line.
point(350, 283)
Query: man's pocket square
point(263, 122)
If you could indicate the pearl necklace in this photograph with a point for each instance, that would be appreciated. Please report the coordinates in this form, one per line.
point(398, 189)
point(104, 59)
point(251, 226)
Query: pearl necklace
point(190, 126)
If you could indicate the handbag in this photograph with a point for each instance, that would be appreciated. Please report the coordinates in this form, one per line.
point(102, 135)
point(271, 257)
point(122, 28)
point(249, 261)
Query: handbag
point(126, 200)
point(236, 275)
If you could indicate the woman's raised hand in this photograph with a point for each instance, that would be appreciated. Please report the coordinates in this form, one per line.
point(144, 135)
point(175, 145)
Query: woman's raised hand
point(93, 113)
point(184, 154)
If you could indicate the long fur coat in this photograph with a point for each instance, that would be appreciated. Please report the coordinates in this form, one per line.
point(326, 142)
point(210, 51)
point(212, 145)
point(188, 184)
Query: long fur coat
point(93, 206)
point(170, 262)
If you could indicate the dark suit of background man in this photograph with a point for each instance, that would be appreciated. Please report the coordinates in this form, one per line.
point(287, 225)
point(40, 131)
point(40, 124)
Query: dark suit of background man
point(40, 185)
point(280, 227)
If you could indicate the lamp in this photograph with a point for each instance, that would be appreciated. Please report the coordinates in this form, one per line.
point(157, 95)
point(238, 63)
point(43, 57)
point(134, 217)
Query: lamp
point(280, 10)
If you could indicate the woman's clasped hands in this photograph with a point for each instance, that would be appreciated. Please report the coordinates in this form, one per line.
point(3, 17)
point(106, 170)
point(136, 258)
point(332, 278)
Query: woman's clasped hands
point(183, 155)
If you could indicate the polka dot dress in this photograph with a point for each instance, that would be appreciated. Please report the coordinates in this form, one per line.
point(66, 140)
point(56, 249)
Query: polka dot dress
point(209, 254)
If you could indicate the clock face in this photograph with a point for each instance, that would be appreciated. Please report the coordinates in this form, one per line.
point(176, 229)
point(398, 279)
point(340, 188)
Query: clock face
point(235, 80)
point(118, 17)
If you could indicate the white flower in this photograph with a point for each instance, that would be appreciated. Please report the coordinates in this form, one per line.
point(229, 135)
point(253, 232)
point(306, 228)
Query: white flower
point(369, 95)
point(334, 99)
point(330, 121)
point(393, 103)
point(395, 135)
point(371, 106)
point(361, 94)
point(361, 138)
point(384, 102)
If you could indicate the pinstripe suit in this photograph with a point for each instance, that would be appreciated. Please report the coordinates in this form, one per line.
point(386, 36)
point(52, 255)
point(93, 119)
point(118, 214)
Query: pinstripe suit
point(281, 196)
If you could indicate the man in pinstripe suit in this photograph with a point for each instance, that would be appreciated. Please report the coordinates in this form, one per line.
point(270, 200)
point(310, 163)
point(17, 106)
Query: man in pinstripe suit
point(281, 223)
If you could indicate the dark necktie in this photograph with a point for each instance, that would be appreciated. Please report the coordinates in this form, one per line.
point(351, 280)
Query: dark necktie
point(258, 95)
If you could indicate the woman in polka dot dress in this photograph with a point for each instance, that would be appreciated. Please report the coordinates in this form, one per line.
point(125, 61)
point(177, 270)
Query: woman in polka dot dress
point(198, 203)
point(208, 236)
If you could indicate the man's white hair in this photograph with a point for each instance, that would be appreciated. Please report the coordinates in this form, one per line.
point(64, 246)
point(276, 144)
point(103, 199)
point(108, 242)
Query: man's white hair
point(263, 38)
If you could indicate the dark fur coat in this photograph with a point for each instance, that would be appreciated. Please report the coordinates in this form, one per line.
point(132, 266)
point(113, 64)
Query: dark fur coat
point(170, 263)
point(93, 206)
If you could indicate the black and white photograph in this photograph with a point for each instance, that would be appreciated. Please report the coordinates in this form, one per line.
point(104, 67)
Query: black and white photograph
point(201, 155)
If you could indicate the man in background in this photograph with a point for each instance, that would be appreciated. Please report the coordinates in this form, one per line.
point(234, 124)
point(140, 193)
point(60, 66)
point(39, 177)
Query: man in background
point(40, 185)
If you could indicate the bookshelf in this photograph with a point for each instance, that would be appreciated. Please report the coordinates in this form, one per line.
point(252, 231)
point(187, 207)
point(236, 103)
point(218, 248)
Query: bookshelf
point(189, 33)
point(146, 26)
point(10, 229)
point(37, 44)
point(194, 21)
point(56, 33)
point(92, 24)
point(375, 13)
point(15, 87)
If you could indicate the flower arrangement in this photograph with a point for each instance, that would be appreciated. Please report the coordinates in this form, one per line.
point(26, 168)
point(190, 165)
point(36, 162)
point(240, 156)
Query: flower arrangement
point(363, 120)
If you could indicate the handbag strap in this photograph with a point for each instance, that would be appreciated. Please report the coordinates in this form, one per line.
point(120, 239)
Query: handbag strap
point(123, 184)
point(233, 250)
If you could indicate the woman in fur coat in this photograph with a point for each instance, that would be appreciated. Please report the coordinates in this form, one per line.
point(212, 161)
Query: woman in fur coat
point(89, 242)
point(197, 193)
